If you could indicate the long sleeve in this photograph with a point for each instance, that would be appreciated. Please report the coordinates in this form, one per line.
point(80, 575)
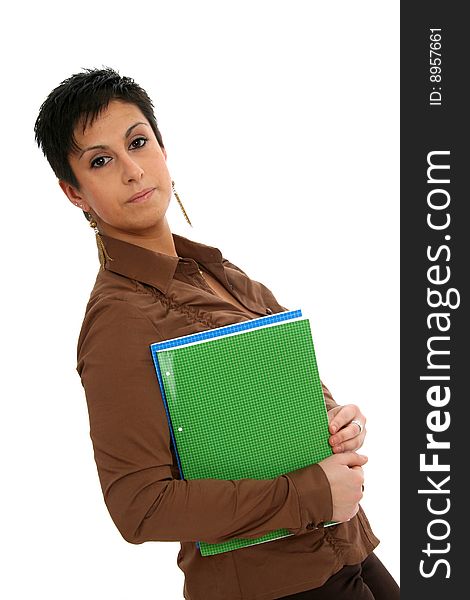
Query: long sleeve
point(140, 482)
point(329, 400)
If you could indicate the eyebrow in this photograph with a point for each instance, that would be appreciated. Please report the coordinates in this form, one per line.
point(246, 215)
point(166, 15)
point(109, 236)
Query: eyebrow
point(102, 147)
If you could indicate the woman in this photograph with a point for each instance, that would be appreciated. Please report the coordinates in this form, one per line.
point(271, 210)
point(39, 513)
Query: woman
point(99, 134)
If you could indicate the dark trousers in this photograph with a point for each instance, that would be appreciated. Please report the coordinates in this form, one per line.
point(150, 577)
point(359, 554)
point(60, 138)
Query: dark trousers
point(368, 580)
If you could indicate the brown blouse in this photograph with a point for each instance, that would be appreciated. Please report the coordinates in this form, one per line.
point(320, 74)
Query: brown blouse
point(144, 297)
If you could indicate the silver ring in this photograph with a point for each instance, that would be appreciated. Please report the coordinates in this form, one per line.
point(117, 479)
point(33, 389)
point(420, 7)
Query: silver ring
point(359, 424)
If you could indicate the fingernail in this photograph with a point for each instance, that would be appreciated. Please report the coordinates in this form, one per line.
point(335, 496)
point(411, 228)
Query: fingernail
point(333, 429)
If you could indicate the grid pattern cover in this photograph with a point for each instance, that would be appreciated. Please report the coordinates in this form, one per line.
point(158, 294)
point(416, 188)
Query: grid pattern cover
point(244, 401)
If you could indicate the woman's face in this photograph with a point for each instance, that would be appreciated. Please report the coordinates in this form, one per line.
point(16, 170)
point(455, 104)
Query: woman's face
point(120, 158)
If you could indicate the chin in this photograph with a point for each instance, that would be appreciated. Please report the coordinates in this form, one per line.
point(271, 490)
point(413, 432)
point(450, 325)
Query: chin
point(142, 225)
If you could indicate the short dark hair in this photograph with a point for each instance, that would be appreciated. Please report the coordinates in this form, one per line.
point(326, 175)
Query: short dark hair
point(81, 98)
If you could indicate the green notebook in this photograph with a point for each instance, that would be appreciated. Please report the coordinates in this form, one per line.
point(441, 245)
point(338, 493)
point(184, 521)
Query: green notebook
point(244, 401)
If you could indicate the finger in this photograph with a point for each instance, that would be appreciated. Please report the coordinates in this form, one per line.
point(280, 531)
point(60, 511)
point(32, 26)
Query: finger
point(350, 445)
point(350, 432)
point(332, 414)
point(352, 459)
point(344, 416)
point(359, 469)
point(360, 481)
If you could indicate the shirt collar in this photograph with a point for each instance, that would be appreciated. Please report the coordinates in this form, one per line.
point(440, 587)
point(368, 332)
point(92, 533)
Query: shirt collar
point(155, 268)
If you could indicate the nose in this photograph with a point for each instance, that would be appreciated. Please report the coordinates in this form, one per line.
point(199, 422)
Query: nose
point(131, 170)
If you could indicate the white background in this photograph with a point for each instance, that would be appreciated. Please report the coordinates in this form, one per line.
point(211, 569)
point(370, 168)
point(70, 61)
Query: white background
point(280, 120)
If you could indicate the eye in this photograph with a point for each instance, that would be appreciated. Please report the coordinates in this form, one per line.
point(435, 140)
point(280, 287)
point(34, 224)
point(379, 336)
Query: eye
point(139, 142)
point(97, 162)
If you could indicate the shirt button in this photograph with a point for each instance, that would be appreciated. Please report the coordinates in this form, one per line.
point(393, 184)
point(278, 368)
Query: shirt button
point(269, 311)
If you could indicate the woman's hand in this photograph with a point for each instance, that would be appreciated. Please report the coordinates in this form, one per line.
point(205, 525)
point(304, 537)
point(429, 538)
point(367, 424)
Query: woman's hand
point(348, 428)
point(346, 478)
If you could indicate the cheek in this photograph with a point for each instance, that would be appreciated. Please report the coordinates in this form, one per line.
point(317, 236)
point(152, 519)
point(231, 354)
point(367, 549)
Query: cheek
point(157, 165)
point(100, 199)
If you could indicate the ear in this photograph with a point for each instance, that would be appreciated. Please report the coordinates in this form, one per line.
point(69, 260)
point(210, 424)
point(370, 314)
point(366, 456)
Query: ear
point(74, 195)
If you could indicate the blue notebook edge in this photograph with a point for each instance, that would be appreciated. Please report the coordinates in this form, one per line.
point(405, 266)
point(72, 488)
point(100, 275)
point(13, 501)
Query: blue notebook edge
point(224, 330)
point(208, 334)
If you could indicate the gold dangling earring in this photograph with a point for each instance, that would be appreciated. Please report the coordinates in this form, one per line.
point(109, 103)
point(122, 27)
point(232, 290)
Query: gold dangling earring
point(180, 203)
point(102, 254)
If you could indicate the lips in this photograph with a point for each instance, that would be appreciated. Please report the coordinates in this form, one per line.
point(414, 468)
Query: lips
point(141, 196)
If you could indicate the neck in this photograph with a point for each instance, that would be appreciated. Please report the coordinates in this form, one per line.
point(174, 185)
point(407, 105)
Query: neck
point(160, 240)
